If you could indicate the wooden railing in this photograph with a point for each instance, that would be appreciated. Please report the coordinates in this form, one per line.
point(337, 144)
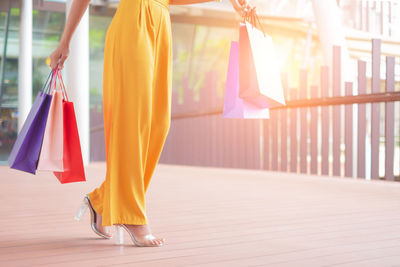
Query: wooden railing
point(373, 16)
point(297, 137)
point(312, 134)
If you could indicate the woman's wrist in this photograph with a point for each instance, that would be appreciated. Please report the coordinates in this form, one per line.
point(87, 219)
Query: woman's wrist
point(64, 42)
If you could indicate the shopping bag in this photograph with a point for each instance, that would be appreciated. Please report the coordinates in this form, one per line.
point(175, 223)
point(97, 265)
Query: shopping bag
point(260, 81)
point(26, 149)
point(51, 154)
point(72, 156)
point(234, 106)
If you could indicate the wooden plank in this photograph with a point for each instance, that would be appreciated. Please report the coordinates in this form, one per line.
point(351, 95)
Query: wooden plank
point(236, 143)
point(267, 145)
point(283, 138)
point(314, 133)
point(284, 127)
point(173, 135)
point(339, 227)
point(248, 152)
point(221, 122)
point(325, 125)
point(361, 120)
point(217, 125)
point(211, 133)
point(274, 139)
point(255, 164)
point(293, 133)
point(348, 133)
point(202, 131)
point(215, 134)
point(240, 143)
point(329, 101)
point(336, 110)
point(342, 100)
point(375, 109)
point(226, 142)
point(303, 123)
point(189, 150)
point(389, 121)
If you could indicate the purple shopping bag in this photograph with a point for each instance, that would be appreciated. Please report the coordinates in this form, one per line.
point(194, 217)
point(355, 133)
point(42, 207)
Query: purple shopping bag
point(25, 152)
point(234, 106)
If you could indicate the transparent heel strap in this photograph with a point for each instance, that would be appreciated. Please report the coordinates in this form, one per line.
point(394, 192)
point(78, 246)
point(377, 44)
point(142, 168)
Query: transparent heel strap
point(81, 211)
point(119, 234)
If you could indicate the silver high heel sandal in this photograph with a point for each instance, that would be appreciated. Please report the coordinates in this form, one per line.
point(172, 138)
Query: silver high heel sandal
point(120, 237)
point(93, 217)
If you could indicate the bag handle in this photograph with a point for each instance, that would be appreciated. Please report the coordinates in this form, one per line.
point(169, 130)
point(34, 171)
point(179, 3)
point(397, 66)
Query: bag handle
point(55, 80)
point(57, 74)
point(47, 84)
point(253, 18)
point(62, 85)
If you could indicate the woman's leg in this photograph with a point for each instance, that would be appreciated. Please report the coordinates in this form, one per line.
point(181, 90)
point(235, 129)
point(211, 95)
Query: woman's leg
point(161, 98)
point(137, 93)
point(157, 106)
point(97, 196)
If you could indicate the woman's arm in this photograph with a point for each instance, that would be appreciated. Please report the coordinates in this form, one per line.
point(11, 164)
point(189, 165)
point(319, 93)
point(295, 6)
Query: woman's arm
point(238, 5)
point(188, 2)
point(58, 57)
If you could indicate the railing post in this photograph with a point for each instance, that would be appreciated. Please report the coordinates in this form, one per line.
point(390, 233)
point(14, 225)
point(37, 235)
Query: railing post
point(336, 112)
point(314, 133)
point(389, 121)
point(293, 133)
point(375, 110)
point(325, 122)
point(303, 123)
point(348, 134)
point(361, 120)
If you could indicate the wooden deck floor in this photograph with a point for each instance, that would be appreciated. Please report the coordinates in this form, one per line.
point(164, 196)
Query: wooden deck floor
point(209, 217)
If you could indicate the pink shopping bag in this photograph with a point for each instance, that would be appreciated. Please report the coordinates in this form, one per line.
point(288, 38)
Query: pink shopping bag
point(51, 153)
point(74, 170)
point(234, 106)
point(260, 81)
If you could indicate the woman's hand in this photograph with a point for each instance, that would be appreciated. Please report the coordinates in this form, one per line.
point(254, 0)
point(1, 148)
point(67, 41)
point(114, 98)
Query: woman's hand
point(241, 6)
point(58, 57)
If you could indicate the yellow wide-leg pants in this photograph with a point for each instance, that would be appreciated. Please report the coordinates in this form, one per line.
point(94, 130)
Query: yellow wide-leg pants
point(137, 83)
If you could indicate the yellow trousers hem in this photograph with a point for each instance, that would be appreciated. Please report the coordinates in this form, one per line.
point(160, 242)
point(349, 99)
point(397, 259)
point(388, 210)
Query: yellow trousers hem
point(95, 201)
point(129, 221)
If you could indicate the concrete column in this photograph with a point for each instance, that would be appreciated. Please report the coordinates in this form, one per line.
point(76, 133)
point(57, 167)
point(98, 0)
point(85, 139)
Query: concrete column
point(25, 62)
point(77, 79)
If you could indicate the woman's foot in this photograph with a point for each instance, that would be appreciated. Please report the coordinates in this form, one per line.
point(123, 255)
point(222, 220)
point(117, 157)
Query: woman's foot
point(95, 218)
point(102, 229)
point(96, 221)
point(140, 232)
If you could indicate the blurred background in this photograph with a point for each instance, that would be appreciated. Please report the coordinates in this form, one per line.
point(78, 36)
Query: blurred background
point(301, 30)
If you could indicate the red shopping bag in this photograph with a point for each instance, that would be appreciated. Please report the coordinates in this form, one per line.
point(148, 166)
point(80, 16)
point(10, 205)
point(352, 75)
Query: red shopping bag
point(72, 157)
point(259, 74)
